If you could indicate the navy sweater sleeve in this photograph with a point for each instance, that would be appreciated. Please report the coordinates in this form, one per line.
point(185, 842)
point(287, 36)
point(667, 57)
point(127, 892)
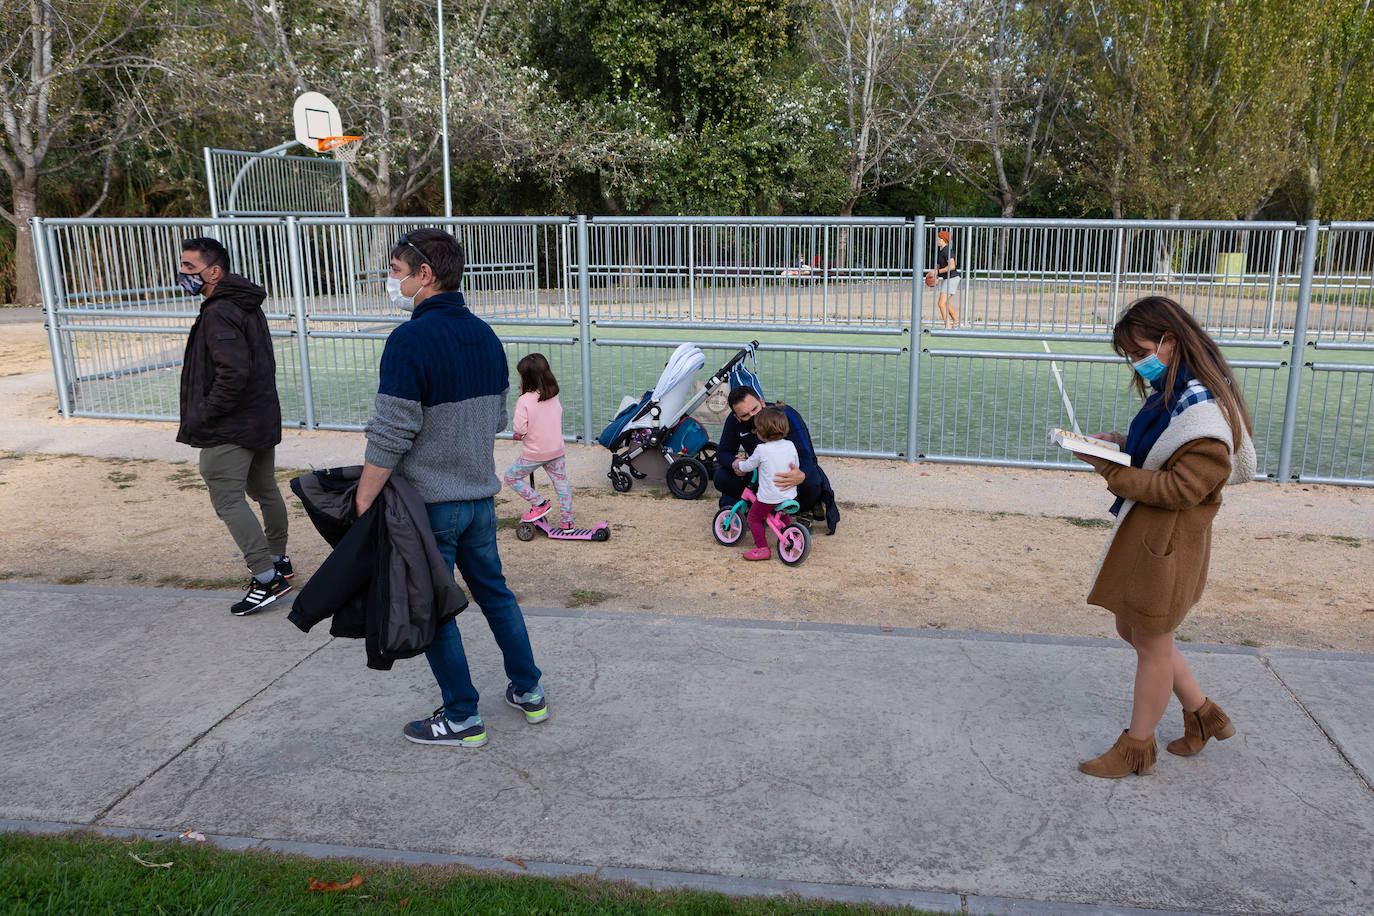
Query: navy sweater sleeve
point(800, 436)
point(728, 446)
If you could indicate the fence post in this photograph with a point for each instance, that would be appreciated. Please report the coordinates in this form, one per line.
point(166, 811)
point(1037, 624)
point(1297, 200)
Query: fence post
point(43, 261)
point(691, 274)
point(913, 384)
point(1275, 256)
point(210, 183)
point(1290, 404)
point(584, 314)
point(293, 247)
point(1120, 237)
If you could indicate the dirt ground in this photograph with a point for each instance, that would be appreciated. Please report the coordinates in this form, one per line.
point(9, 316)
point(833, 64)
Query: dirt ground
point(114, 521)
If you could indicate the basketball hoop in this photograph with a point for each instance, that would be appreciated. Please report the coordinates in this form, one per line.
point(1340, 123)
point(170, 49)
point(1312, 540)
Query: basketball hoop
point(345, 149)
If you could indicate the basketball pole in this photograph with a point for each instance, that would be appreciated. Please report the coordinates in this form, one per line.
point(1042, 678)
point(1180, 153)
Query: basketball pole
point(443, 114)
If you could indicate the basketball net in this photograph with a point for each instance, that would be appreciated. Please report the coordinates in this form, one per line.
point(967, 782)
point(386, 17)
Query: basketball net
point(344, 149)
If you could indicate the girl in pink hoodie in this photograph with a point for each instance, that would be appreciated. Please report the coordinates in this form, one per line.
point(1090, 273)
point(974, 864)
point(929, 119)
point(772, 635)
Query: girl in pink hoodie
point(538, 426)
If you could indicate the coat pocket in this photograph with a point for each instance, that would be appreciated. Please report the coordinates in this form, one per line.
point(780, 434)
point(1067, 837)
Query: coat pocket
point(1151, 591)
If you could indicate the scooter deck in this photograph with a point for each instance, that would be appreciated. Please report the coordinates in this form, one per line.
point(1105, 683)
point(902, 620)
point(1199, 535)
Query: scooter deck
point(573, 534)
point(601, 531)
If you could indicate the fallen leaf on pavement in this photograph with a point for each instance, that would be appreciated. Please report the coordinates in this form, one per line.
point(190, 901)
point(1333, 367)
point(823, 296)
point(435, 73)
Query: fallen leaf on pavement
point(353, 882)
point(517, 862)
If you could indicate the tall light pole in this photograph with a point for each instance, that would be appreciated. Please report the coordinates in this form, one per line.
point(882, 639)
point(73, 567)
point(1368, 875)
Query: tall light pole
point(443, 115)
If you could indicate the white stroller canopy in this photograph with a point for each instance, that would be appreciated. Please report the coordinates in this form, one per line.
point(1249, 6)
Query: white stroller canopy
point(683, 366)
point(673, 391)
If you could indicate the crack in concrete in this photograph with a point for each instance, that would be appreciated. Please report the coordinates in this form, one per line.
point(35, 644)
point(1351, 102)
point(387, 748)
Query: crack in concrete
point(1026, 840)
point(197, 739)
point(596, 662)
point(1350, 764)
point(716, 651)
point(661, 798)
point(993, 776)
point(219, 758)
point(1264, 764)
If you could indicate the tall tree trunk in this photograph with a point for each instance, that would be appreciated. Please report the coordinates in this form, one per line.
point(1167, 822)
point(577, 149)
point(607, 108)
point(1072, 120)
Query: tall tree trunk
point(25, 191)
point(1116, 189)
point(842, 236)
point(1313, 185)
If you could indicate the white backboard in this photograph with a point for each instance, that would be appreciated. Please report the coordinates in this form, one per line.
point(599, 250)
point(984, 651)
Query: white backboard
point(316, 118)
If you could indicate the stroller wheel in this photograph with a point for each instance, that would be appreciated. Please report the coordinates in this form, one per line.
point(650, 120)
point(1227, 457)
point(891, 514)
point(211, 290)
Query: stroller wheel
point(794, 545)
point(524, 531)
point(728, 526)
point(707, 455)
point(687, 478)
point(621, 481)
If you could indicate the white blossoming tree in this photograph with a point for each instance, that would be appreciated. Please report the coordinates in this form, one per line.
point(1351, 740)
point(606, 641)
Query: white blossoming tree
point(73, 77)
point(378, 62)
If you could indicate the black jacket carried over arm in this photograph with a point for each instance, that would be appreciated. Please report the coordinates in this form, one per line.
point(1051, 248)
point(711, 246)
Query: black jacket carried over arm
point(385, 582)
point(229, 372)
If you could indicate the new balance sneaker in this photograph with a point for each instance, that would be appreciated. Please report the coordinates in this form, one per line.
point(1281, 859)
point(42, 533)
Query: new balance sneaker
point(284, 567)
point(438, 729)
point(533, 705)
point(260, 596)
point(537, 512)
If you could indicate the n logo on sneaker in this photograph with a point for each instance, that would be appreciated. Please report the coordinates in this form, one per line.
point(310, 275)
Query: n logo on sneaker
point(438, 729)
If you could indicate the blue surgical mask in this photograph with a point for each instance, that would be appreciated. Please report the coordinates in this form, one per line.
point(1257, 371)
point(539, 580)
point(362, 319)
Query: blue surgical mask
point(1151, 367)
point(190, 282)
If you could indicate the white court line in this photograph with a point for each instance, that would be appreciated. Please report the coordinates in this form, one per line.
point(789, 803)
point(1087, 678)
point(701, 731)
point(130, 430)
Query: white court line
point(1068, 405)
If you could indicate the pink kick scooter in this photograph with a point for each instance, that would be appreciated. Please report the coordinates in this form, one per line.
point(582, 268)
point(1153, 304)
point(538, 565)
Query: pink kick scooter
point(601, 531)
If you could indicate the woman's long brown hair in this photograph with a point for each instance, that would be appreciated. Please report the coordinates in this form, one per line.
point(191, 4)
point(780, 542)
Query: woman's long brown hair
point(1149, 319)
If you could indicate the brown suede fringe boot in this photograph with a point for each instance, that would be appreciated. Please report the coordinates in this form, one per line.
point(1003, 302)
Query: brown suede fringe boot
point(1208, 721)
point(1126, 756)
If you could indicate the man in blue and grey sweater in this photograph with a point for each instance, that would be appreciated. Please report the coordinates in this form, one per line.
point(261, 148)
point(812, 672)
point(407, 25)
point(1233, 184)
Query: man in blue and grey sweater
point(441, 400)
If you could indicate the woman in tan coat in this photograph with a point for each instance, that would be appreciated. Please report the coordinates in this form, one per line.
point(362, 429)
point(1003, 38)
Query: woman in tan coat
point(1191, 437)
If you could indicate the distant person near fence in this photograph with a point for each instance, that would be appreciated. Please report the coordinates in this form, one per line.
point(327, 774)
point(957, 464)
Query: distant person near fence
point(1191, 438)
point(946, 277)
point(230, 411)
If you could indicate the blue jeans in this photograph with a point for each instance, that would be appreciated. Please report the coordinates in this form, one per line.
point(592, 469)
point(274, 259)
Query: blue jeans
point(466, 534)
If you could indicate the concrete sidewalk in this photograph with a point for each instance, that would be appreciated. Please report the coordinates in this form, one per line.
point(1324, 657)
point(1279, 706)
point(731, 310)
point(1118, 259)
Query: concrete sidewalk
point(923, 767)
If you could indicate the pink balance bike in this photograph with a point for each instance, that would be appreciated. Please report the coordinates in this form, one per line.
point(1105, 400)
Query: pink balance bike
point(794, 538)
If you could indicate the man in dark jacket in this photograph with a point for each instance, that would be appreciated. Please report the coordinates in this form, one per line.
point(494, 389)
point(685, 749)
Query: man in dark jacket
point(441, 400)
point(814, 493)
point(230, 411)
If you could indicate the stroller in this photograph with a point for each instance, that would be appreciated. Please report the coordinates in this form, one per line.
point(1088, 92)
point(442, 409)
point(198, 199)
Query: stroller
point(660, 420)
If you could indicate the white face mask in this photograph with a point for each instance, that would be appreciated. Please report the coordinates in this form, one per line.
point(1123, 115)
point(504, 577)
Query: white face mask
point(400, 301)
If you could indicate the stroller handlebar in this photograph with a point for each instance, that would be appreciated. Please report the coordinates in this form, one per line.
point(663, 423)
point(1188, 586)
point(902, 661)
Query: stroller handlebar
point(738, 358)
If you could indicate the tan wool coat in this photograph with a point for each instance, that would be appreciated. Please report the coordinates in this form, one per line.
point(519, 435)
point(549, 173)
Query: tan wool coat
point(1154, 567)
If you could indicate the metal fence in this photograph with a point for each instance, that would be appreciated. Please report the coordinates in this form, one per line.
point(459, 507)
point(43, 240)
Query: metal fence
point(243, 183)
point(850, 335)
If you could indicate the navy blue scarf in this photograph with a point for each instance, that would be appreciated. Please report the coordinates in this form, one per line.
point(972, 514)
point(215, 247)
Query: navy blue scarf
point(1149, 424)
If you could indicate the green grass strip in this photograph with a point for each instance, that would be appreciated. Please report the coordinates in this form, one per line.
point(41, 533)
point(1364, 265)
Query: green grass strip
point(84, 873)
